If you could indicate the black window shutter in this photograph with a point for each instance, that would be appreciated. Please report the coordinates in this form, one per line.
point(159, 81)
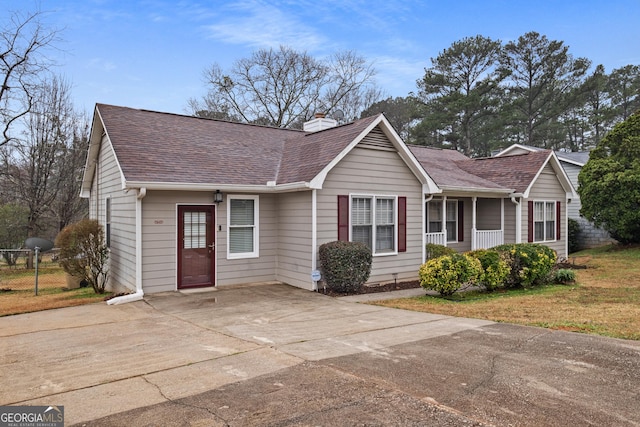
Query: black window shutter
point(343, 218)
point(460, 221)
point(558, 223)
point(530, 220)
point(402, 224)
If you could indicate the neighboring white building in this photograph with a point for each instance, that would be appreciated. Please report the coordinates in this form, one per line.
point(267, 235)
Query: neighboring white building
point(590, 236)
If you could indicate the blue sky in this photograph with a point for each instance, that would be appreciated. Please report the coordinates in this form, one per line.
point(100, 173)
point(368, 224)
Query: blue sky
point(152, 53)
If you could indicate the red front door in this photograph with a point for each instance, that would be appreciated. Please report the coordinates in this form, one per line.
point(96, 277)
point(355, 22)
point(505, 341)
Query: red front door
point(196, 246)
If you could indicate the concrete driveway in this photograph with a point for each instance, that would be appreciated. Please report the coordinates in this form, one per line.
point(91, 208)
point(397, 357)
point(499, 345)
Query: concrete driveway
point(276, 355)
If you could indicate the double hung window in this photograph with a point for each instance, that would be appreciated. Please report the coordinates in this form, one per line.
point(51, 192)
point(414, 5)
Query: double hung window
point(544, 221)
point(242, 214)
point(374, 223)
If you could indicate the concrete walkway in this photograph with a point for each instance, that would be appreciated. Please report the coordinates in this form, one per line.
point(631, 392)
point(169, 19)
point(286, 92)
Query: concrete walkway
point(276, 355)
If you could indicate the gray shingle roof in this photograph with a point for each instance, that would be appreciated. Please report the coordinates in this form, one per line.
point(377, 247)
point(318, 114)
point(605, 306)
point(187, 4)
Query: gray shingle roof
point(516, 172)
point(445, 169)
point(171, 148)
point(450, 168)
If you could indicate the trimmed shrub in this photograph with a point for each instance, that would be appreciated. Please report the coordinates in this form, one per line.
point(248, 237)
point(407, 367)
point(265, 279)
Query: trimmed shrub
point(446, 274)
point(564, 276)
point(574, 235)
point(530, 263)
point(435, 251)
point(83, 252)
point(346, 266)
point(495, 268)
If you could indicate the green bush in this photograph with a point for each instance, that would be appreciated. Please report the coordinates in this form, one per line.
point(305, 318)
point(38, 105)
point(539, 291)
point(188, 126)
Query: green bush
point(564, 276)
point(446, 274)
point(435, 251)
point(83, 252)
point(574, 233)
point(609, 183)
point(530, 263)
point(346, 266)
point(495, 268)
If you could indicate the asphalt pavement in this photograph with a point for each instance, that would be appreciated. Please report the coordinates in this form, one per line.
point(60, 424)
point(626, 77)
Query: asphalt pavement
point(272, 355)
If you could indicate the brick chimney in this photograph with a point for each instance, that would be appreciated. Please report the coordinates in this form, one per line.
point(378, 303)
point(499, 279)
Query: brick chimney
point(320, 122)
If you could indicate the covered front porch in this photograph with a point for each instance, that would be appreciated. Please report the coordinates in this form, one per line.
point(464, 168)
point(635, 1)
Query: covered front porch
point(469, 222)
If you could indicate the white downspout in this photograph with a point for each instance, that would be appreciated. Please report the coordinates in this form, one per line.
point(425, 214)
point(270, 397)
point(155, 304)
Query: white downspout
point(474, 235)
point(314, 236)
point(518, 218)
point(502, 220)
point(444, 219)
point(139, 294)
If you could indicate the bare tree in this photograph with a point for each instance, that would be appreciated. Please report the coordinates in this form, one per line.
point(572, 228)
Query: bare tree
point(23, 43)
point(32, 165)
point(284, 87)
point(68, 207)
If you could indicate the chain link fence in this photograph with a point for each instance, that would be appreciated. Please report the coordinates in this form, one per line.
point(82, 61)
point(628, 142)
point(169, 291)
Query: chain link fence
point(17, 270)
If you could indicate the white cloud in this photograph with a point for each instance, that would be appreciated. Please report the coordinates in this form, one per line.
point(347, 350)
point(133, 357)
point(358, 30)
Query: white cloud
point(264, 25)
point(398, 76)
point(101, 64)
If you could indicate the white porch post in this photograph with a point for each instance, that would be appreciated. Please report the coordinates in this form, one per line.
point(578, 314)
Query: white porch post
point(502, 219)
point(444, 219)
point(474, 242)
point(519, 221)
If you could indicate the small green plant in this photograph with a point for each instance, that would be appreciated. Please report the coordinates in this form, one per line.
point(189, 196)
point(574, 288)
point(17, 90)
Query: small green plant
point(495, 268)
point(346, 266)
point(84, 253)
point(530, 263)
point(435, 251)
point(448, 273)
point(564, 276)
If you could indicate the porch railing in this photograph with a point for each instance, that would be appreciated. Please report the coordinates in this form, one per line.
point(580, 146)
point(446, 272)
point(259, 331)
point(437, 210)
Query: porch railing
point(436, 238)
point(485, 239)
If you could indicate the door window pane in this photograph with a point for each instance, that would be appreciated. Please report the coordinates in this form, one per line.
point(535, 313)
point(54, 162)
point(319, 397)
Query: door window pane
point(195, 230)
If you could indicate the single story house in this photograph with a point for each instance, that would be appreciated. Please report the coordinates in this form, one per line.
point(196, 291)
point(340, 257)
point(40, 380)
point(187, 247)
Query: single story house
point(191, 202)
point(572, 162)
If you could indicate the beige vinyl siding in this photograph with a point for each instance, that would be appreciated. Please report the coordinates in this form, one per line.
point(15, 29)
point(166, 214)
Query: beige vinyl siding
point(122, 254)
point(375, 171)
point(488, 214)
point(573, 208)
point(247, 270)
point(510, 210)
point(548, 188)
point(160, 241)
point(295, 239)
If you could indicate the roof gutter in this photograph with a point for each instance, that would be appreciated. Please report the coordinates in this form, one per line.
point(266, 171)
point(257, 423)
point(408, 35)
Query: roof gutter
point(507, 191)
point(271, 186)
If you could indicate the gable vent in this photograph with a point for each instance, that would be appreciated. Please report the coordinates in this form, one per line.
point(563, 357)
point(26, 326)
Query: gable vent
point(377, 140)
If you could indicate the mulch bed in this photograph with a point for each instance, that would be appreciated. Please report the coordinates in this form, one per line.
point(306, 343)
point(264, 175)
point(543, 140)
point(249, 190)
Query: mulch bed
point(372, 288)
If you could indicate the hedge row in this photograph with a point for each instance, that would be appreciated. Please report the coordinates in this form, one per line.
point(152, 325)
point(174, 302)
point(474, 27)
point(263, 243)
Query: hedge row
point(512, 265)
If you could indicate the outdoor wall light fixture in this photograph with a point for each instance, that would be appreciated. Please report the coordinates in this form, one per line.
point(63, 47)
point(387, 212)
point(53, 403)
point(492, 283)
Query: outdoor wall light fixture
point(217, 197)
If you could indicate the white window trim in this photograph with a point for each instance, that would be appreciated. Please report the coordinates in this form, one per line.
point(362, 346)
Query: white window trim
point(455, 228)
point(256, 227)
point(373, 198)
point(443, 220)
point(544, 221)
